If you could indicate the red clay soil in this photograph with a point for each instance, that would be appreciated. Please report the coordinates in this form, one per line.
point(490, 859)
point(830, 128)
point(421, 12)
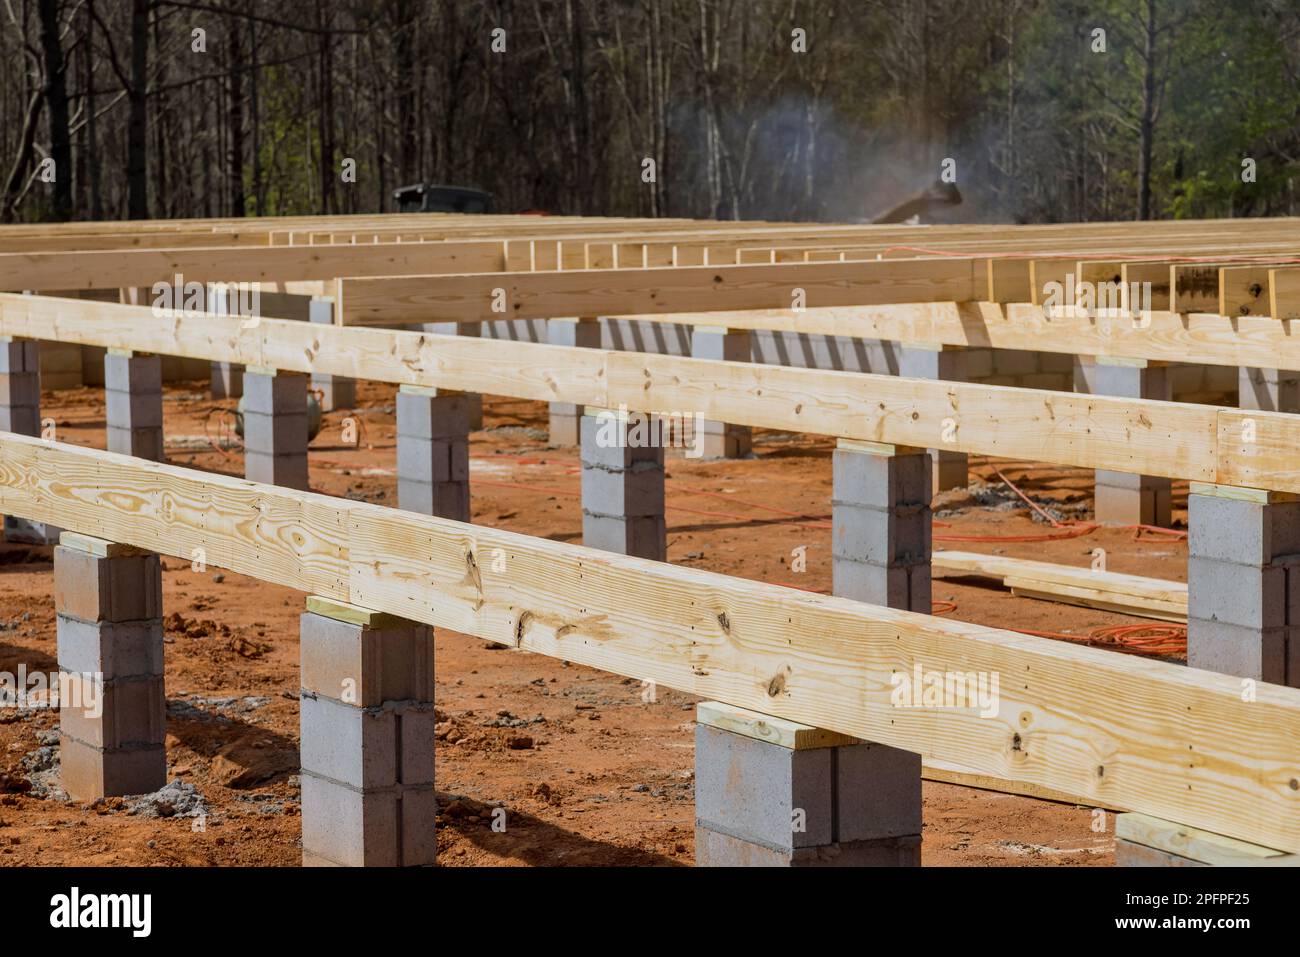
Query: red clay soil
point(587, 771)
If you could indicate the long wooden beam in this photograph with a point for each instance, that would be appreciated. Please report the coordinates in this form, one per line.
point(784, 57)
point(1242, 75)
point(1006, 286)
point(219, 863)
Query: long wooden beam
point(119, 269)
point(1179, 440)
point(645, 291)
point(1120, 731)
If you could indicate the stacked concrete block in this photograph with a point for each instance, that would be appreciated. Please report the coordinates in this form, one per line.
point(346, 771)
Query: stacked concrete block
point(1268, 390)
point(880, 511)
point(946, 363)
point(367, 738)
point(433, 452)
point(622, 485)
point(20, 413)
point(1123, 498)
point(1243, 583)
point(112, 707)
point(566, 416)
point(722, 440)
point(134, 400)
point(473, 330)
point(336, 391)
point(773, 793)
point(275, 427)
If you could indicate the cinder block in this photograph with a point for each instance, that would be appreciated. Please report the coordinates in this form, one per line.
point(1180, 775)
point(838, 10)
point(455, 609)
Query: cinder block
point(20, 419)
point(422, 416)
point(134, 410)
point(111, 649)
point(625, 493)
point(374, 665)
point(763, 793)
point(20, 389)
point(415, 723)
point(1236, 594)
point(19, 355)
point(284, 393)
point(713, 849)
point(336, 391)
point(120, 588)
point(135, 374)
point(605, 444)
point(565, 424)
point(566, 332)
point(282, 434)
point(978, 364)
point(1269, 390)
point(141, 443)
point(419, 809)
point(133, 713)
point(1131, 854)
point(1243, 651)
point(433, 460)
point(1150, 503)
point(880, 481)
point(1014, 362)
point(227, 380)
point(1246, 533)
point(88, 773)
point(878, 792)
point(288, 471)
point(349, 827)
point(897, 536)
point(446, 499)
point(942, 363)
point(355, 746)
point(906, 587)
point(642, 536)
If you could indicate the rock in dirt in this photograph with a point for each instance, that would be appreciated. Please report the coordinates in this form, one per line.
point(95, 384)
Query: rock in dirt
point(176, 799)
point(243, 764)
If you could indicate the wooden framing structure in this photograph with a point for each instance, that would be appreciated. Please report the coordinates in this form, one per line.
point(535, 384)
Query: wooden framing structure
point(1173, 743)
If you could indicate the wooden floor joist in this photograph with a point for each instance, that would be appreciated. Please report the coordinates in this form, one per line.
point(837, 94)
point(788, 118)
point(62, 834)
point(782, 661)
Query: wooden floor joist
point(1178, 440)
point(1112, 729)
point(1109, 591)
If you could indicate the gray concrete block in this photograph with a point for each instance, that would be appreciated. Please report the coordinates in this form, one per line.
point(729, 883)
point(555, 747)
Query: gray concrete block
point(131, 713)
point(1236, 594)
point(132, 410)
point(349, 827)
point(1151, 503)
point(626, 493)
point(758, 792)
point(415, 724)
point(1268, 390)
point(1242, 651)
point(565, 428)
point(19, 355)
point(449, 500)
point(906, 587)
point(20, 389)
point(563, 332)
point(336, 391)
point(605, 444)
point(355, 746)
point(881, 481)
point(642, 537)
point(898, 536)
point(33, 533)
point(288, 471)
point(419, 810)
point(433, 460)
point(20, 419)
point(371, 665)
point(120, 588)
point(434, 416)
point(227, 380)
point(141, 443)
point(135, 374)
point(284, 393)
point(878, 792)
point(282, 434)
point(944, 364)
point(88, 773)
point(110, 649)
point(731, 345)
point(714, 849)
point(1246, 533)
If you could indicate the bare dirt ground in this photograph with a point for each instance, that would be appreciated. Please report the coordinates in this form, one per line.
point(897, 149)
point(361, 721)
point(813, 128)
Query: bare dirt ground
point(588, 772)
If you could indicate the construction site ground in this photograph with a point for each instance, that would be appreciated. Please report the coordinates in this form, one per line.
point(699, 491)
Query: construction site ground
point(588, 770)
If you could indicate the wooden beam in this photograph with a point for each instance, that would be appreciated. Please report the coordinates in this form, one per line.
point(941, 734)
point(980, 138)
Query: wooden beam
point(1243, 291)
point(1127, 594)
point(1174, 439)
point(471, 298)
point(117, 269)
point(1213, 850)
point(1112, 729)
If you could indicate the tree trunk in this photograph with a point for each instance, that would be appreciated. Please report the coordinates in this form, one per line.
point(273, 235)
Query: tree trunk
point(56, 98)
